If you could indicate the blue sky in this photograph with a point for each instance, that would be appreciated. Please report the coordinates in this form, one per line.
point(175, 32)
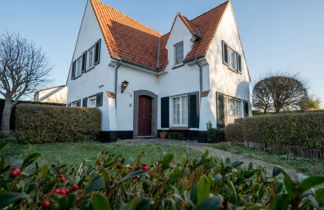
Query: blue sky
point(278, 35)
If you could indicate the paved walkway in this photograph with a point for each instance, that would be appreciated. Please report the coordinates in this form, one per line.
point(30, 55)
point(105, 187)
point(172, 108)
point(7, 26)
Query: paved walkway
point(212, 151)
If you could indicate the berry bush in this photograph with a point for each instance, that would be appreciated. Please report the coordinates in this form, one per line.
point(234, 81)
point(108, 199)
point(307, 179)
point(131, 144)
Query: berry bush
point(111, 183)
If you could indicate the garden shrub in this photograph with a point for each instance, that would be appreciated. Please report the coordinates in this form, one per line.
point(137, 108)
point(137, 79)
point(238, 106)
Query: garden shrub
point(299, 129)
point(176, 136)
point(47, 124)
point(215, 135)
point(233, 133)
point(110, 183)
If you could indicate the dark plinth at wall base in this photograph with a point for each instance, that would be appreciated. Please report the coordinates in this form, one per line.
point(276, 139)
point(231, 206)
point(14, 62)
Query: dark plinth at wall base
point(112, 136)
point(200, 136)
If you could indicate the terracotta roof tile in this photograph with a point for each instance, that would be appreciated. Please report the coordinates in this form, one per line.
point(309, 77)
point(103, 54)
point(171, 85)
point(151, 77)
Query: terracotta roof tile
point(136, 43)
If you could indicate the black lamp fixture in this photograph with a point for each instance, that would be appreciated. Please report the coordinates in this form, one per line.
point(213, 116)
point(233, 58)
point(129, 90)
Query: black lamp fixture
point(124, 85)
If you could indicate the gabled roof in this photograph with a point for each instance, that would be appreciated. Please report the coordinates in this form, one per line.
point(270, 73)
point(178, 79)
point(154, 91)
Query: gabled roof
point(133, 42)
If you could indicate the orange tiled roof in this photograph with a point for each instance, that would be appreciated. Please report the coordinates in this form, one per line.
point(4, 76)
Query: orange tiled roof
point(131, 41)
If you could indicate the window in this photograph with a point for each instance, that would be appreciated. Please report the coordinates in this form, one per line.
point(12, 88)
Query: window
point(180, 111)
point(76, 103)
point(78, 67)
point(92, 101)
point(91, 57)
point(178, 48)
point(231, 58)
point(228, 109)
point(233, 110)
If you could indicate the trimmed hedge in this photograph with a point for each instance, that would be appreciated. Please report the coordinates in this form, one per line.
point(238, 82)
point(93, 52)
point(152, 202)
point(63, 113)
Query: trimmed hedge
point(215, 135)
point(233, 133)
point(300, 129)
point(46, 124)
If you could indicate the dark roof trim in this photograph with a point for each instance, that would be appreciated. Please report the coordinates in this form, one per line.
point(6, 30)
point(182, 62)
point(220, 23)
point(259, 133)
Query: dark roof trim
point(187, 60)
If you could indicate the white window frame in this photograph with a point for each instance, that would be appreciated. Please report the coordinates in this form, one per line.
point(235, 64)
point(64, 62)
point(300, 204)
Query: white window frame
point(92, 99)
point(180, 60)
point(91, 60)
point(233, 108)
point(183, 110)
point(78, 66)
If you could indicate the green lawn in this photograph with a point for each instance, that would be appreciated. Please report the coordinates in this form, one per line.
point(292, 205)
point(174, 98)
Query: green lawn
point(303, 165)
point(75, 153)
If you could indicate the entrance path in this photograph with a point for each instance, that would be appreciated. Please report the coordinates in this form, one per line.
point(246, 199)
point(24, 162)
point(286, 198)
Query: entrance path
point(212, 151)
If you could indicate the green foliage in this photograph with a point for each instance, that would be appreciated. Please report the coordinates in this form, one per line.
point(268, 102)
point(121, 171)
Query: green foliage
point(214, 135)
point(300, 129)
point(233, 133)
point(176, 136)
point(110, 183)
point(45, 124)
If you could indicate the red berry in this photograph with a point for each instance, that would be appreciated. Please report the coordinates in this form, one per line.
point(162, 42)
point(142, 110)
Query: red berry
point(75, 187)
point(144, 164)
point(62, 179)
point(135, 168)
point(99, 163)
point(60, 176)
point(15, 172)
point(46, 204)
point(118, 166)
point(57, 191)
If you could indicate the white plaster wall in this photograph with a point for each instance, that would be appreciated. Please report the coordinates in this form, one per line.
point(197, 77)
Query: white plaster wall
point(89, 82)
point(138, 80)
point(222, 79)
point(184, 79)
point(58, 97)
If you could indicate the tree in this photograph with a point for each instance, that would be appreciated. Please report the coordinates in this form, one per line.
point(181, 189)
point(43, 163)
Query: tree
point(23, 68)
point(310, 103)
point(283, 92)
point(261, 96)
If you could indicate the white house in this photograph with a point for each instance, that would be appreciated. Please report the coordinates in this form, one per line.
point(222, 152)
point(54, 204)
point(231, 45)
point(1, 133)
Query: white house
point(57, 94)
point(144, 81)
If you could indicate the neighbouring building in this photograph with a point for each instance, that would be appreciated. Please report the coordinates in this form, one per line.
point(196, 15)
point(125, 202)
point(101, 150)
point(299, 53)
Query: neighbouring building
point(57, 94)
point(145, 82)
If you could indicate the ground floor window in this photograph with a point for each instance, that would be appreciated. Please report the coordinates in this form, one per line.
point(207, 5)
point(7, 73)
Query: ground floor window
point(76, 103)
point(180, 111)
point(92, 101)
point(228, 109)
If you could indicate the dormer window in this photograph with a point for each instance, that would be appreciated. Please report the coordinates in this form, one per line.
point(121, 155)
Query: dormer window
point(178, 49)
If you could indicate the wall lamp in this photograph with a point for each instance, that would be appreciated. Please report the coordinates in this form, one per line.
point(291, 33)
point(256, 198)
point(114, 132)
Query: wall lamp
point(124, 85)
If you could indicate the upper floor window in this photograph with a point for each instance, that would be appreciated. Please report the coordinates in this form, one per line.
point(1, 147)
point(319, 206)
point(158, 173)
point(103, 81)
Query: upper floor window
point(91, 56)
point(178, 49)
point(89, 59)
point(78, 67)
point(231, 58)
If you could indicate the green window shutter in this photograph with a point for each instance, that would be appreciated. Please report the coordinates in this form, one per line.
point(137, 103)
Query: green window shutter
point(97, 52)
point(84, 61)
point(99, 99)
point(193, 110)
point(239, 62)
point(85, 102)
point(225, 52)
point(246, 109)
point(220, 111)
point(165, 112)
point(73, 70)
point(78, 104)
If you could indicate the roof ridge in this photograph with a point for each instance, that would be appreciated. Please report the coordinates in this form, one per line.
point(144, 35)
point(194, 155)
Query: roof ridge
point(160, 34)
point(226, 2)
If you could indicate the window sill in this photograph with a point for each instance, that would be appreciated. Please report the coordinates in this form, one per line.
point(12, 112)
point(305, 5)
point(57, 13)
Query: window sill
point(233, 70)
point(90, 69)
point(180, 128)
point(178, 65)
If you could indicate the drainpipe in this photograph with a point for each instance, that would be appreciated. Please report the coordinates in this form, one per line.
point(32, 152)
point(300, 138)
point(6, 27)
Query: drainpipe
point(200, 76)
point(116, 85)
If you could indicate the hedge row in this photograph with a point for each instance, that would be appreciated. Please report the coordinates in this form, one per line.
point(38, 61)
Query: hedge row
point(46, 124)
point(302, 129)
point(285, 132)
